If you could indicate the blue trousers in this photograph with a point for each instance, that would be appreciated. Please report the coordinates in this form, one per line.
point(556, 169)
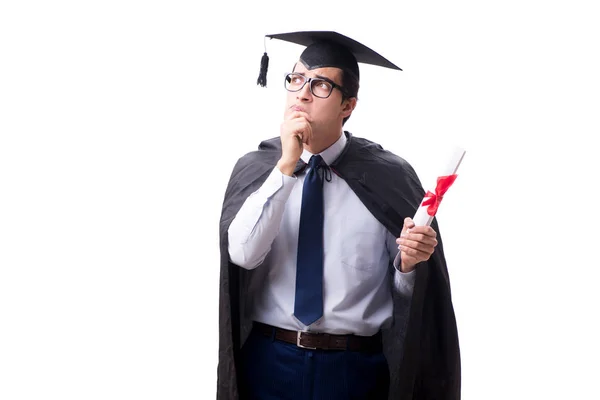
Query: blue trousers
point(275, 370)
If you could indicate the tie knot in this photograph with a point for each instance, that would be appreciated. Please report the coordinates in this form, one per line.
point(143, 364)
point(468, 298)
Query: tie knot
point(315, 161)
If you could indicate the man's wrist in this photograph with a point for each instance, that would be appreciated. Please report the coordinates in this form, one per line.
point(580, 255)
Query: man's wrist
point(286, 167)
point(406, 268)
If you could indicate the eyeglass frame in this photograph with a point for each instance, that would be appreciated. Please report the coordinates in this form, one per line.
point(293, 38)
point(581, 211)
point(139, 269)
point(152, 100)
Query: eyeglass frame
point(309, 81)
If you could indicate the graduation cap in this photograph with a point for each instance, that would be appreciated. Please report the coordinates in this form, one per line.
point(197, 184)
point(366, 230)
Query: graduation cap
point(327, 49)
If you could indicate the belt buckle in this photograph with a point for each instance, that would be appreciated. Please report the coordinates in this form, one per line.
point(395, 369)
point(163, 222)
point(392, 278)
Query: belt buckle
point(299, 333)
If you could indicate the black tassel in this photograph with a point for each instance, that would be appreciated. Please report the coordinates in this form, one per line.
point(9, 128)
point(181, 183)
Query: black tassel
point(264, 65)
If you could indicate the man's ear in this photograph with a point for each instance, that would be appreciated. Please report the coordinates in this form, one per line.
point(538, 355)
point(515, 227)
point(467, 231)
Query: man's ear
point(348, 106)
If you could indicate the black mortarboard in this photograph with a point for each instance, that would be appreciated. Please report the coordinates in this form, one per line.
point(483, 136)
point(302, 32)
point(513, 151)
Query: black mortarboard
point(327, 49)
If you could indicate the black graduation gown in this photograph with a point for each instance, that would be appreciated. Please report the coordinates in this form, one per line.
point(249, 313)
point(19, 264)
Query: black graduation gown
point(389, 187)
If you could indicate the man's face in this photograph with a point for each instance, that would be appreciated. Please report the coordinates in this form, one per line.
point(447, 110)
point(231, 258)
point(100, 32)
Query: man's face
point(326, 114)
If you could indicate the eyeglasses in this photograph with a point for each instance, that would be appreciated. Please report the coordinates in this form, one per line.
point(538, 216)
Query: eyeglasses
point(319, 87)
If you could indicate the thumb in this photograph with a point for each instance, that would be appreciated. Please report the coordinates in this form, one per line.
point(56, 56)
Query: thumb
point(408, 224)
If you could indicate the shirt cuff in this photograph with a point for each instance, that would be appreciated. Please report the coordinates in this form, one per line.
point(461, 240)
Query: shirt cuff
point(404, 281)
point(278, 185)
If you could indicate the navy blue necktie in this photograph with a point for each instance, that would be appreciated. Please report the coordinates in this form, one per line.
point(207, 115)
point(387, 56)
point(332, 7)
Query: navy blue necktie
point(308, 306)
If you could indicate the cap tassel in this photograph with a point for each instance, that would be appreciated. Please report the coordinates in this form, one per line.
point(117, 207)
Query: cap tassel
point(264, 65)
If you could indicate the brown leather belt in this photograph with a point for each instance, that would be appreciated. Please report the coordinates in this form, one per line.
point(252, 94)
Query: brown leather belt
point(323, 341)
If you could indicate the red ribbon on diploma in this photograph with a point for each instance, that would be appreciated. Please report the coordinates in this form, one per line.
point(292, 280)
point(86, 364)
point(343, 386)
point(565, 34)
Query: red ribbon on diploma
point(434, 200)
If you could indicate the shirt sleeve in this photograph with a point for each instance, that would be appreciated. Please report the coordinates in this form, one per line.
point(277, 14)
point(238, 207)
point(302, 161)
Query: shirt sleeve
point(257, 223)
point(404, 282)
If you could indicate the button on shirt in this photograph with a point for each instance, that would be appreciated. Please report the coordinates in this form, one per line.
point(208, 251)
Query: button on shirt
point(359, 250)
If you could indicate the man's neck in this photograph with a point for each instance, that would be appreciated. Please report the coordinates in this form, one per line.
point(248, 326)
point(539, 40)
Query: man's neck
point(320, 147)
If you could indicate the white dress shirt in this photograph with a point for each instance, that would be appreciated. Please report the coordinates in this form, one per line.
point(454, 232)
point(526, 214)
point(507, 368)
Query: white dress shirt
point(358, 252)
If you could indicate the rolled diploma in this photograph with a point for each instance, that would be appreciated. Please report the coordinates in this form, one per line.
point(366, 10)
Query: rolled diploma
point(421, 217)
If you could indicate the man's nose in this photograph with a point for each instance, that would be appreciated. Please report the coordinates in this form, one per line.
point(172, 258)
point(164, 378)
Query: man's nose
point(304, 94)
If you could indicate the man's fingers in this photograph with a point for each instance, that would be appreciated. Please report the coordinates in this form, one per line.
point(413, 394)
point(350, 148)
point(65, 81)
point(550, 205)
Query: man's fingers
point(417, 238)
point(427, 247)
point(416, 243)
point(309, 133)
point(409, 226)
point(301, 128)
point(424, 230)
point(418, 255)
point(299, 114)
point(408, 223)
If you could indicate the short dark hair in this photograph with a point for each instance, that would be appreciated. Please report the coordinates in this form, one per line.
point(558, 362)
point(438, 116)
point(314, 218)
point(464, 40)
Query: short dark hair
point(351, 85)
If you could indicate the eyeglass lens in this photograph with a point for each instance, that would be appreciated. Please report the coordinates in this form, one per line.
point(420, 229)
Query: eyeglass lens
point(318, 87)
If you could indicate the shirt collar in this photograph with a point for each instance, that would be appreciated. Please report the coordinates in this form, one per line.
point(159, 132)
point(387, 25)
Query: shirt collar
point(329, 154)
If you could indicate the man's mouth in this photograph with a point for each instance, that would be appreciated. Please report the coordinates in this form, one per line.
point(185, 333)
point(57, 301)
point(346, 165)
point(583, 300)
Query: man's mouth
point(298, 108)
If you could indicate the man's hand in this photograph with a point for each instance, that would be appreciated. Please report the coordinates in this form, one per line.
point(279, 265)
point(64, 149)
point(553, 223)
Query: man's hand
point(416, 244)
point(295, 131)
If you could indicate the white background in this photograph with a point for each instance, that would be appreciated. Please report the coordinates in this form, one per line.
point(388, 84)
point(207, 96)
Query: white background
point(120, 122)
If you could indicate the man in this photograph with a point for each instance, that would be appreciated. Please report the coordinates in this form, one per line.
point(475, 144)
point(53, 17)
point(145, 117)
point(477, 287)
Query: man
point(328, 289)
